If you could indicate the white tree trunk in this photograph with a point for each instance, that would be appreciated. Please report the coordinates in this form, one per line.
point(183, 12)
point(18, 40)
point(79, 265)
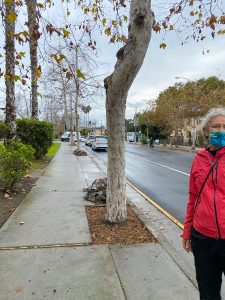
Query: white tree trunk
point(10, 69)
point(33, 43)
point(129, 61)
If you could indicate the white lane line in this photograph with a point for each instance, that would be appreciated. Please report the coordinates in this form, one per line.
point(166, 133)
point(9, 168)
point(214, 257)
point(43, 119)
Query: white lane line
point(175, 170)
point(155, 163)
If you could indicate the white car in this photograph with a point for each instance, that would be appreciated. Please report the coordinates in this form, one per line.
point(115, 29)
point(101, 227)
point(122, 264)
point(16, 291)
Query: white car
point(65, 137)
point(99, 143)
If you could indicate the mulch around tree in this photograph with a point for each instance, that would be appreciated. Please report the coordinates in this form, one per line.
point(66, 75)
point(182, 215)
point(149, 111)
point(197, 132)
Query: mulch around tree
point(132, 232)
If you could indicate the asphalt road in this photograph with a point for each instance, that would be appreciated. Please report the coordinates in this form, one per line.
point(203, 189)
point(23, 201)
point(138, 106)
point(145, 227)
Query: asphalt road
point(161, 174)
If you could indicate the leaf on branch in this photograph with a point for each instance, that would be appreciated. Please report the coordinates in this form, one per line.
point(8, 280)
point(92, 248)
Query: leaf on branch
point(86, 10)
point(68, 75)
point(11, 18)
point(80, 74)
point(162, 45)
point(66, 33)
point(61, 57)
point(171, 27)
point(104, 21)
point(222, 19)
point(107, 31)
point(22, 54)
point(156, 27)
point(40, 5)
point(16, 77)
point(8, 1)
point(37, 73)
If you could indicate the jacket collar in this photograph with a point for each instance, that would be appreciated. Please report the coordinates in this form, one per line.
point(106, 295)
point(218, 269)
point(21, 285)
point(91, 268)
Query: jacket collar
point(206, 153)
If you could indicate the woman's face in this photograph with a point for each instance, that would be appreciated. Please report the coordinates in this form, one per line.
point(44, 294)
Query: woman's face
point(217, 124)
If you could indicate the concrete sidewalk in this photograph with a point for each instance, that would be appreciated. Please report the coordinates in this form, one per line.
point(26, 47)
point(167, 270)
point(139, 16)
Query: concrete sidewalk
point(50, 256)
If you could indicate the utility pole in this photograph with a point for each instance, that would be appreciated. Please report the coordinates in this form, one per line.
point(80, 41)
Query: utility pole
point(193, 127)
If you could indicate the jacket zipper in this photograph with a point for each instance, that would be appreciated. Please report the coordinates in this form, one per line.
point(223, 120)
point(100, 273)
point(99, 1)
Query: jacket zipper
point(214, 201)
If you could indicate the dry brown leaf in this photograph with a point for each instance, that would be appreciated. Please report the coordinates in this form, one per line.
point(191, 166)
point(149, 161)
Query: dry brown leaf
point(28, 176)
point(12, 209)
point(19, 288)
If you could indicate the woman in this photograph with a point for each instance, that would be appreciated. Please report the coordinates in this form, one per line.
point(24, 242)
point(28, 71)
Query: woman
point(204, 227)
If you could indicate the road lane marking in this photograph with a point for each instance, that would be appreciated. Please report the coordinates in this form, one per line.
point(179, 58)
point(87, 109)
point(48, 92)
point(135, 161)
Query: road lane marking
point(178, 223)
point(172, 169)
point(161, 165)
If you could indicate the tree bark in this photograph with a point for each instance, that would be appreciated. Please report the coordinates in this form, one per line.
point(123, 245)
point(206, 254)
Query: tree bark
point(33, 43)
point(10, 70)
point(129, 61)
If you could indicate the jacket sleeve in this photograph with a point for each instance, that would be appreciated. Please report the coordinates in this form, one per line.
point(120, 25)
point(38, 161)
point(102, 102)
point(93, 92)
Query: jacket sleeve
point(193, 193)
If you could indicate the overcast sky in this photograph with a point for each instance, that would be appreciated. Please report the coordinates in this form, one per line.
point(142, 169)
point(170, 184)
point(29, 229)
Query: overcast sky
point(160, 68)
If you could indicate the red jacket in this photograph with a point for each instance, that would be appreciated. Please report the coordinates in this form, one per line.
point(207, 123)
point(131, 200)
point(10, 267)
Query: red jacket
point(209, 215)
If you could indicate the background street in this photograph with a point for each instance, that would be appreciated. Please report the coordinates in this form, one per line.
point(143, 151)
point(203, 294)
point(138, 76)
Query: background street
point(161, 174)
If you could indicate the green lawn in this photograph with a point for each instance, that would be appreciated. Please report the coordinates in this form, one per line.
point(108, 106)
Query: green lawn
point(53, 149)
point(42, 163)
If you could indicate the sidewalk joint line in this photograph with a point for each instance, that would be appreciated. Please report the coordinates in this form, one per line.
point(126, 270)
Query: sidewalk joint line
point(121, 284)
point(45, 246)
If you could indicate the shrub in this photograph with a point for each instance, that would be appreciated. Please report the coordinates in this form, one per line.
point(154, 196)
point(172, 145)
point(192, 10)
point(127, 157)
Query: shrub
point(15, 159)
point(38, 134)
point(3, 130)
point(144, 140)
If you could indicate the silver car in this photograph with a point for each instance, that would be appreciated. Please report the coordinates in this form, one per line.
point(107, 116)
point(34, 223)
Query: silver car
point(99, 143)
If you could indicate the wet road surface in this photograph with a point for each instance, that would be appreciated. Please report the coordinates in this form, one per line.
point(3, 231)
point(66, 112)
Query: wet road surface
point(161, 174)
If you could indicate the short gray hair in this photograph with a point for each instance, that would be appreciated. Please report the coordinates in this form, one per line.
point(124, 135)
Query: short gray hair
point(212, 113)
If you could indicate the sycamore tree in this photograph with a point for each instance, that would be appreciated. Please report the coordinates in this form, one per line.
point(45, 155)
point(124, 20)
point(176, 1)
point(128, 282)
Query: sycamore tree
point(34, 36)
point(10, 15)
point(129, 61)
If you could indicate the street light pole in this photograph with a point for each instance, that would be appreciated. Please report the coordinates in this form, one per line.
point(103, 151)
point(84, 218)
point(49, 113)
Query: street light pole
point(193, 128)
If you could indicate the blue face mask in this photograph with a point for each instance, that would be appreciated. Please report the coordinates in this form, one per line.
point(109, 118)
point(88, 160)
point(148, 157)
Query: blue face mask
point(217, 138)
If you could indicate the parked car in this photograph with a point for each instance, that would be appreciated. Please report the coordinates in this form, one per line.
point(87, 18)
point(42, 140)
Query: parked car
point(89, 140)
point(65, 137)
point(82, 139)
point(100, 143)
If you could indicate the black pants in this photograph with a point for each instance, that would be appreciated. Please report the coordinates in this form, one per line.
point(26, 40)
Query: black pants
point(209, 255)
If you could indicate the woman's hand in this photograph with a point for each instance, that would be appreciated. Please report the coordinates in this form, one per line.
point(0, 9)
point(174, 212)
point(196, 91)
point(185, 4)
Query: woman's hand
point(186, 245)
